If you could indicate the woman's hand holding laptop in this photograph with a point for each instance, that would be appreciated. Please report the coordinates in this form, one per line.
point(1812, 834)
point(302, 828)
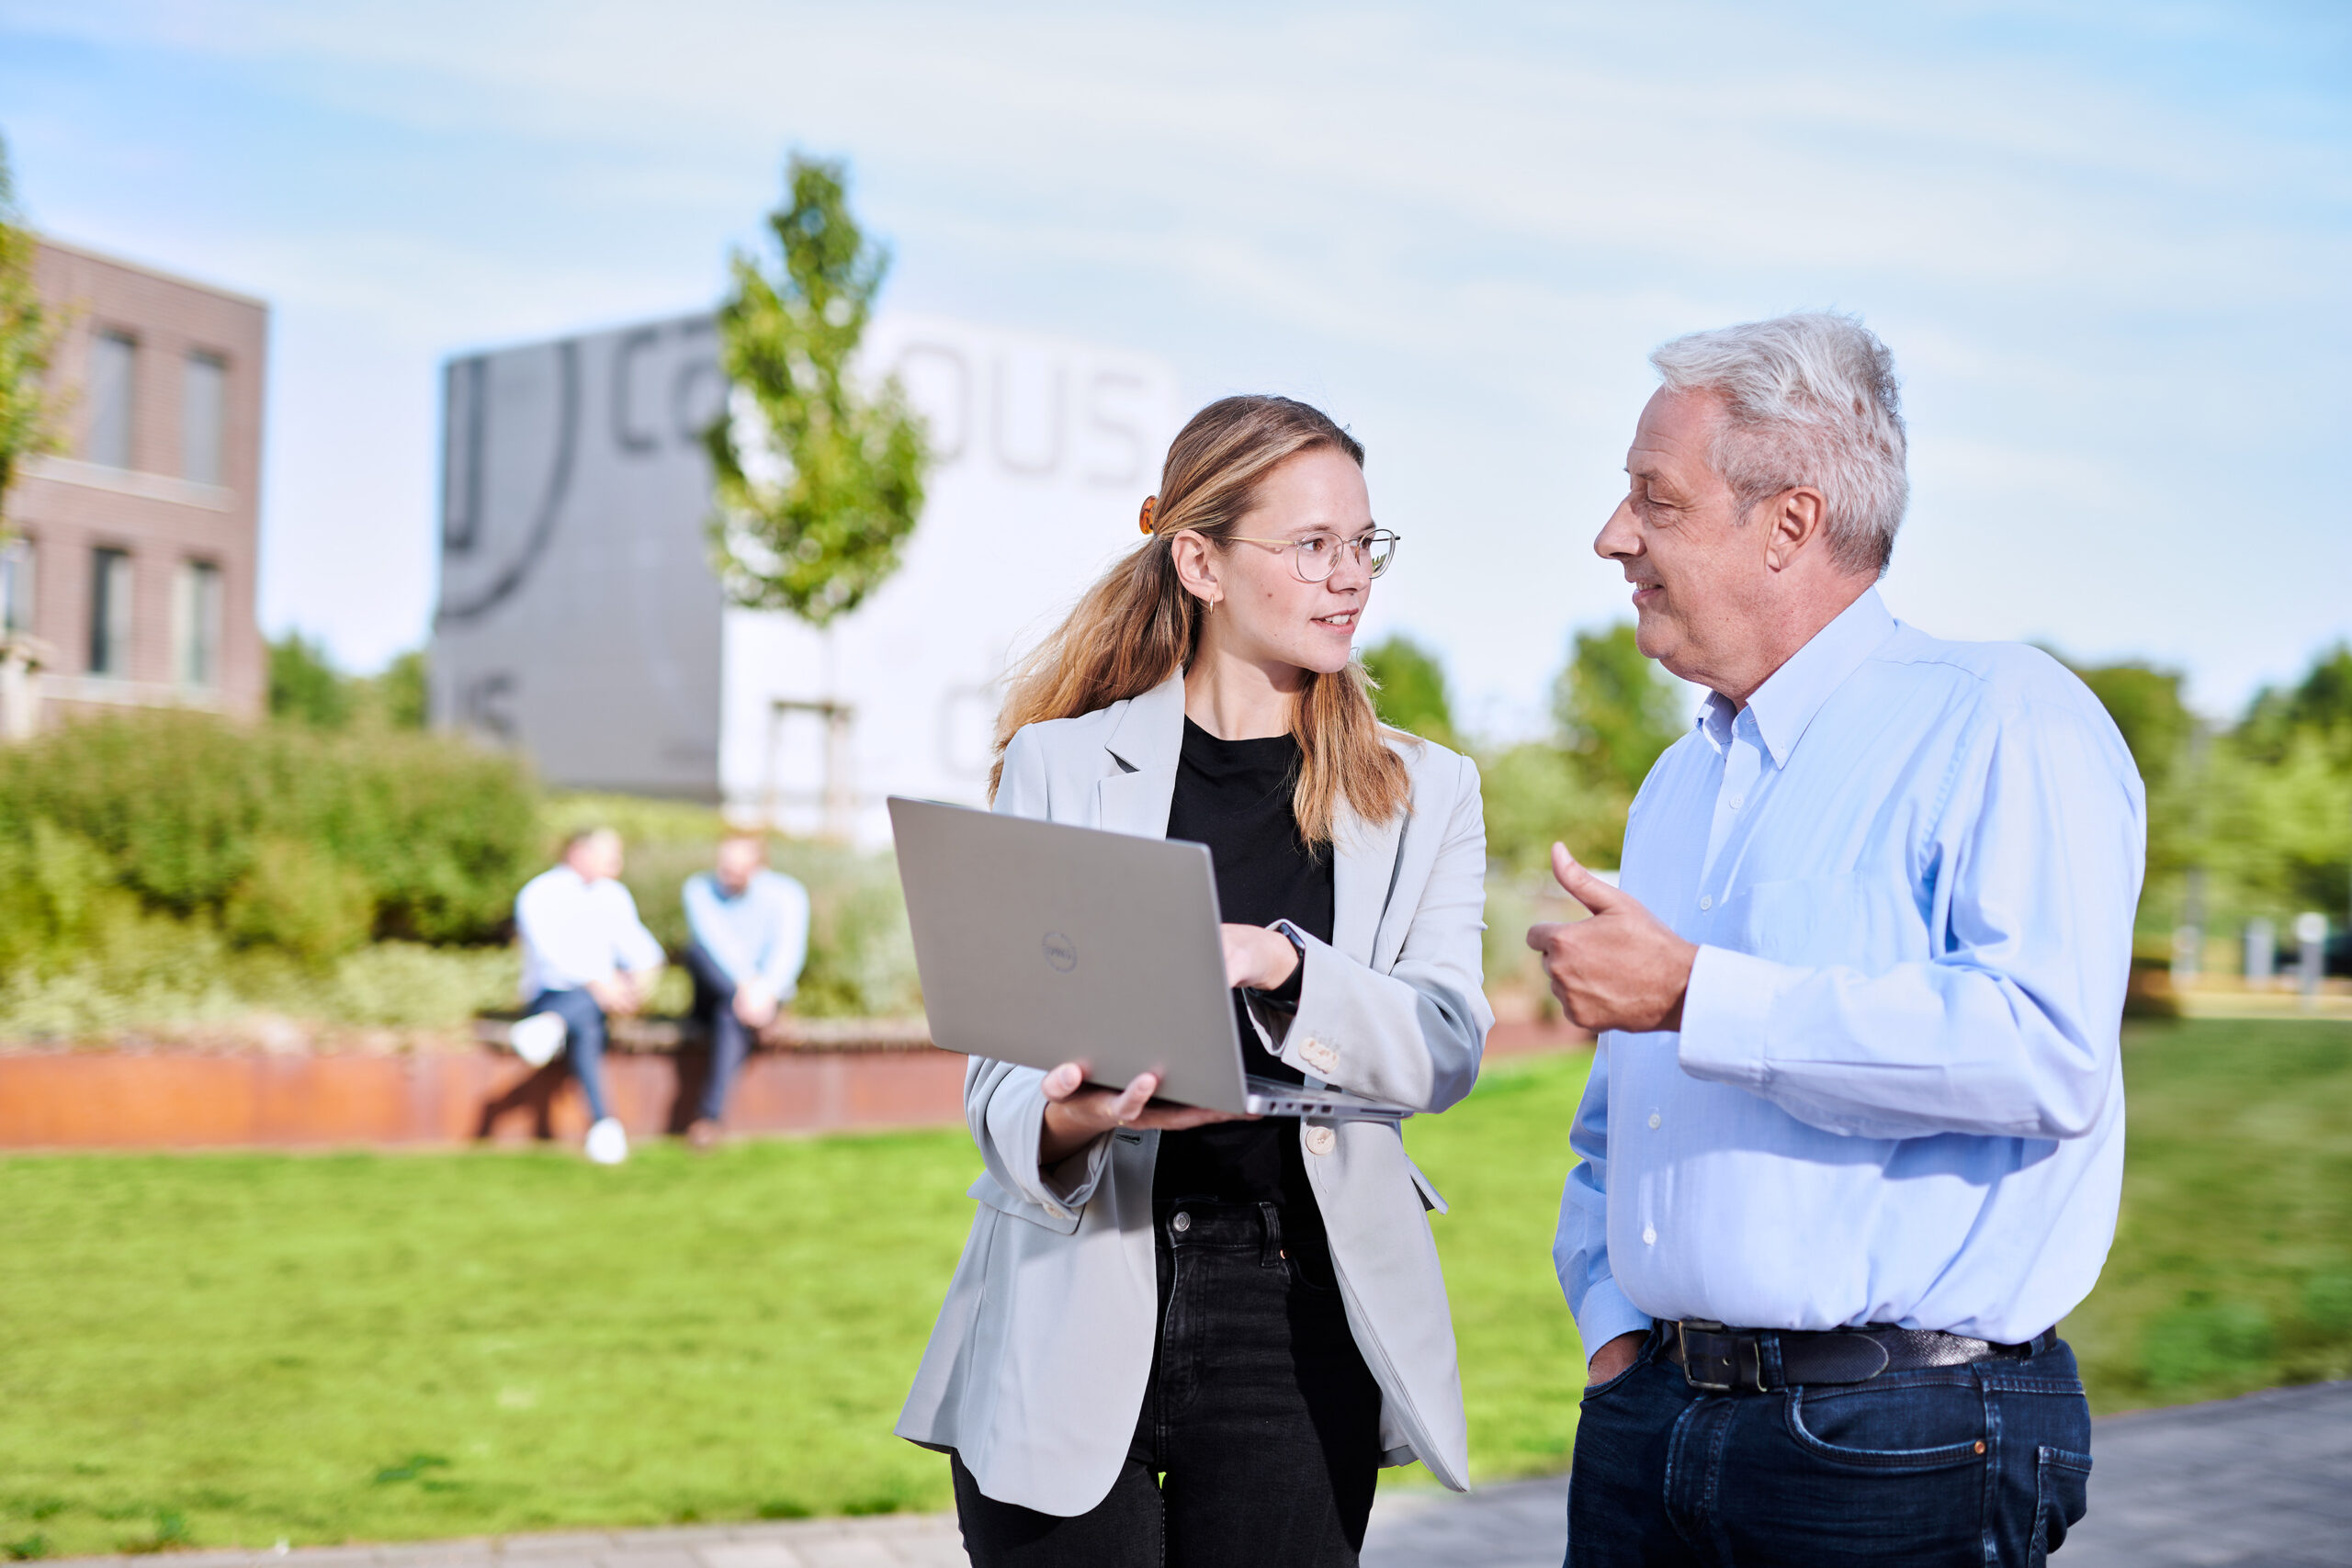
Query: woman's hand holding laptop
point(1077, 1114)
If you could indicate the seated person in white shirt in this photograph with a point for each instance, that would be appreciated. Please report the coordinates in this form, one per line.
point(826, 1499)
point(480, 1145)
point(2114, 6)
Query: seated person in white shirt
point(585, 956)
point(750, 937)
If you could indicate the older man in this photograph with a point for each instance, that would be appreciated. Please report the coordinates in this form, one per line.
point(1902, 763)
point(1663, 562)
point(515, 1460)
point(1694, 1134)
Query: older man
point(1854, 1134)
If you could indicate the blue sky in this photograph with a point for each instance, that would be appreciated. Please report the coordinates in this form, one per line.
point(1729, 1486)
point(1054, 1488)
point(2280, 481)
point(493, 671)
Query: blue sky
point(2107, 245)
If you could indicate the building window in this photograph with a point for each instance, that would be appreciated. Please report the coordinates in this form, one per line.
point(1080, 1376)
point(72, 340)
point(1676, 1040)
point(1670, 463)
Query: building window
point(16, 586)
point(113, 372)
point(111, 613)
point(204, 419)
point(196, 624)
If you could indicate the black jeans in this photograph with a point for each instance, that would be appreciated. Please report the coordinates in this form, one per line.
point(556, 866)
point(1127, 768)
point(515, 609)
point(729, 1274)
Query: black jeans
point(1973, 1465)
point(729, 1041)
point(1259, 1413)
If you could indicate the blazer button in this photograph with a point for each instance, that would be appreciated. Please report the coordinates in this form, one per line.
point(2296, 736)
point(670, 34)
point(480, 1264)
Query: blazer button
point(1320, 1056)
point(1321, 1140)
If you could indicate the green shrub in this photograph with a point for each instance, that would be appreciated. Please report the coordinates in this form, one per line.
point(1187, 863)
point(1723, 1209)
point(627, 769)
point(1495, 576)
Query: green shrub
point(438, 833)
point(300, 898)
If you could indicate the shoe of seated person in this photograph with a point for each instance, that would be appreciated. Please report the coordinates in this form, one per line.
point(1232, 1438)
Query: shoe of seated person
point(607, 1144)
point(537, 1038)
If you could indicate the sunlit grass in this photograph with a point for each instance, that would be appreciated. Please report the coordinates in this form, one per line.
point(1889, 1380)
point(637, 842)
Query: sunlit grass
point(224, 1350)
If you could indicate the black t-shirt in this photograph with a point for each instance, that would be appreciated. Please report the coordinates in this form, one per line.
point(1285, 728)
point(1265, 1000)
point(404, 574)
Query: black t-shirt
point(1234, 796)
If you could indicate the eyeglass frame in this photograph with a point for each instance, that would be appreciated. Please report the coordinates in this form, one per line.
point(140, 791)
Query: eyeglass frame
point(1357, 544)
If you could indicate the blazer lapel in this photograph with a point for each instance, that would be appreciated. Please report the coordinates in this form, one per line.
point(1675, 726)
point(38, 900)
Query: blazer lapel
point(1363, 873)
point(1143, 750)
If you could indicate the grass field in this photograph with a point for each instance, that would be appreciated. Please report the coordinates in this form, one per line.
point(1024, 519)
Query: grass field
point(235, 1348)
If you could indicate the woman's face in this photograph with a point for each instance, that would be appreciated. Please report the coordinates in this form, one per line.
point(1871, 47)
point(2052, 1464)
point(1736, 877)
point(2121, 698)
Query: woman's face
point(1263, 612)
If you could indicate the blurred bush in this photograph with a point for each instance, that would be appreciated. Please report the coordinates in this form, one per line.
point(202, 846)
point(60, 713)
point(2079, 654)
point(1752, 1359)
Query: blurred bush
point(283, 834)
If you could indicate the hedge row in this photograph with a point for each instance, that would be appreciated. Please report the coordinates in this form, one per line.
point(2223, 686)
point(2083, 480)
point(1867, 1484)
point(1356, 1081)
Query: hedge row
point(286, 835)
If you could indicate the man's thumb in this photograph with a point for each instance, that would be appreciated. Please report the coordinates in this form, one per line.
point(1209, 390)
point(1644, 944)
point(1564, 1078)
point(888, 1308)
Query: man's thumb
point(1581, 885)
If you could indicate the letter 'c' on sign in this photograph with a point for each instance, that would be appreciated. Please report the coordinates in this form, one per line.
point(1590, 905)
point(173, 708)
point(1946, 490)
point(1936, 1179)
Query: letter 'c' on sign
point(1061, 953)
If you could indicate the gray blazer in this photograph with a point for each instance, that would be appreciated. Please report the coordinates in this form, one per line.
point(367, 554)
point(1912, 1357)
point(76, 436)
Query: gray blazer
point(1036, 1370)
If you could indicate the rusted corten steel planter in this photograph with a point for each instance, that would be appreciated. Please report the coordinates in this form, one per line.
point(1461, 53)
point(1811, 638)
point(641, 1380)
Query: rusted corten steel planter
point(289, 1092)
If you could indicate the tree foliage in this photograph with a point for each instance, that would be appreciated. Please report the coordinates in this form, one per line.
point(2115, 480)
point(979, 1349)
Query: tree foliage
point(305, 688)
point(819, 480)
point(1411, 692)
point(26, 333)
point(2261, 809)
point(1616, 713)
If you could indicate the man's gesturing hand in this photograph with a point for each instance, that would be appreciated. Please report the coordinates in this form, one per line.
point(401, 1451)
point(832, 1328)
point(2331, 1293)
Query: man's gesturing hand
point(1623, 968)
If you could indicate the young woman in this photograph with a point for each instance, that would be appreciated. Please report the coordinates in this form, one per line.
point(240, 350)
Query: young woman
point(1249, 1309)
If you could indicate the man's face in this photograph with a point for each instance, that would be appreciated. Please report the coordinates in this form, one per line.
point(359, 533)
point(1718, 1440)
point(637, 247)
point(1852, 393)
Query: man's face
point(739, 861)
point(1699, 577)
point(597, 857)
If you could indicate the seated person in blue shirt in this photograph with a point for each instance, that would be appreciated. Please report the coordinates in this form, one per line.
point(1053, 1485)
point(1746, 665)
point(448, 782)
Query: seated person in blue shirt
point(585, 956)
point(750, 936)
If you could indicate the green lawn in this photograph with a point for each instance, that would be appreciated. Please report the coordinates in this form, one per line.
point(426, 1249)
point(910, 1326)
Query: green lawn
point(232, 1348)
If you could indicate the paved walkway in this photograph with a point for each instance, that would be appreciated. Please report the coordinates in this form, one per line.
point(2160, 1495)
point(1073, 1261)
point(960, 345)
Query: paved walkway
point(2266, 1479)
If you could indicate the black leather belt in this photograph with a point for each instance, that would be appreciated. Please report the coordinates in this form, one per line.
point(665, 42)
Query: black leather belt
point(1751, 1360)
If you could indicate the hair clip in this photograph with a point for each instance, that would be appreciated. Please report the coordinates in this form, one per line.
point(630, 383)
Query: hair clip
point(1150, 506)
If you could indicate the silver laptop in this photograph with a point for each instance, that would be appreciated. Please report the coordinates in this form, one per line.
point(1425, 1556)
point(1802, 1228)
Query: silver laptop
point(1042, 943)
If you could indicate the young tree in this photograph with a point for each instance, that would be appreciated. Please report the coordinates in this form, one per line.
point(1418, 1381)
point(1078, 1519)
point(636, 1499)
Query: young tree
point(820, 481)
point(27, 333)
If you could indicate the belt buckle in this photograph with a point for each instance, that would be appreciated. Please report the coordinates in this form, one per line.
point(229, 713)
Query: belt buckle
point(1725, 1357)
point(1724, 1371)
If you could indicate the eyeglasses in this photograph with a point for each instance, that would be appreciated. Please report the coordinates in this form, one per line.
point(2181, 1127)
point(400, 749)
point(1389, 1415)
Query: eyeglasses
point(1315, 556)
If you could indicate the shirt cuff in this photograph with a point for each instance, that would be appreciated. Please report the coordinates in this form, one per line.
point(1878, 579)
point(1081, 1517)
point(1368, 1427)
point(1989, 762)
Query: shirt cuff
point(1604, 1315)
point(1725, 1014)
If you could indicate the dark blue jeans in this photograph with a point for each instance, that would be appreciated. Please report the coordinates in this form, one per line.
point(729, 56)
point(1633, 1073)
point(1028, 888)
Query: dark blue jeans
point(729, 1041)
point(585, 1021)
point(1258, 1440)
point(1978, 1465)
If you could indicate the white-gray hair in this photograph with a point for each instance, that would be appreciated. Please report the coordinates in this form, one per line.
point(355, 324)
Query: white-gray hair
point(1809, 400)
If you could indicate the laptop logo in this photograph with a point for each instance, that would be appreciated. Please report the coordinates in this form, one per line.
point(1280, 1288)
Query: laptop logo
point(1061, 953)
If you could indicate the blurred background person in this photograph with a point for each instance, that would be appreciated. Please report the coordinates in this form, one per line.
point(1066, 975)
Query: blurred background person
point(750, 937)
point(586, 956)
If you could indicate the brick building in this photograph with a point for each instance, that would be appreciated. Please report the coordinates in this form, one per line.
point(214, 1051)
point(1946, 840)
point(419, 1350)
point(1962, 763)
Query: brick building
point(130, 573)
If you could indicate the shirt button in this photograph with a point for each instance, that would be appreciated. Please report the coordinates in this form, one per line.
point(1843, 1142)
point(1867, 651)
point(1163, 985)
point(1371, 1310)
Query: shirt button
point(1654, 1118)
point(1321, 1140)
point(1706, 900)
point(1649, 1236)
point(1735, 803)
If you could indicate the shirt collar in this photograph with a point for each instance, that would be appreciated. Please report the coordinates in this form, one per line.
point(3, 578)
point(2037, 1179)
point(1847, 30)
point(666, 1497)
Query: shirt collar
point(1783, 705)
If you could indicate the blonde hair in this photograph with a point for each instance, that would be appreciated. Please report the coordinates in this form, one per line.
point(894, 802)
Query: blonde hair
point(1137, 626)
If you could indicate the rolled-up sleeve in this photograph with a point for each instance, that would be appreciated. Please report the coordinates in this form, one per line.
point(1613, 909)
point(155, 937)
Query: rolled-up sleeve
point(2010, 1031)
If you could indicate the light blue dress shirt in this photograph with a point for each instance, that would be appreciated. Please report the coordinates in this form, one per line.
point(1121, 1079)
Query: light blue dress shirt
point(762, 932)
point(1911, 867)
